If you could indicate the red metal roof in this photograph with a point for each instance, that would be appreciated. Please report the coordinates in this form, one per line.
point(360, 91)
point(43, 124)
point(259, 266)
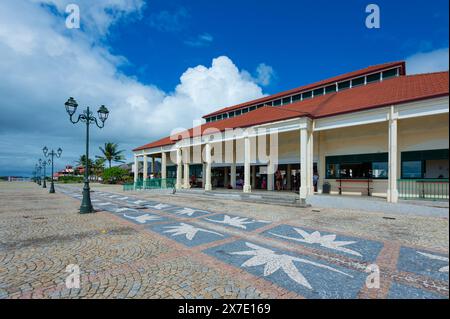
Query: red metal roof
point(389, 92)
point(343, 77)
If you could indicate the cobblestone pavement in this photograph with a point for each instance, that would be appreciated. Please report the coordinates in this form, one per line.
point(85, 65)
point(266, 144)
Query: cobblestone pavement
point(144, 246)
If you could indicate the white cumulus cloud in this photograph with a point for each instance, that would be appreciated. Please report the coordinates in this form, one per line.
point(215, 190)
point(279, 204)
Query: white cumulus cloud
point(42, 63)
point(426, 62)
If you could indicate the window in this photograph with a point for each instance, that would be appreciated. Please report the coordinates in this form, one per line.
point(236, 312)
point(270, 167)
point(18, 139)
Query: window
point(296, 98)
point(238, 112)
point(359, 166)
point(330, 89)
point(287, 100)
point(373, 78)
point(380, 170)
point(231, 114)
point(412, 169)
point(425, 164)
point(253, 108)
point(307, 95)
point(245, 110)
point(219, 117)
point(358, 81)
point(213, 118)
point(344, 85)
point(277, 102)
point(389, 73)
point(225, 115)
point(318, 92)
point(208, 119)
point(260, 106)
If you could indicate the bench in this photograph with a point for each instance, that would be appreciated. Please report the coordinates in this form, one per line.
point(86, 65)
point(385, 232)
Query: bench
point(363, 185)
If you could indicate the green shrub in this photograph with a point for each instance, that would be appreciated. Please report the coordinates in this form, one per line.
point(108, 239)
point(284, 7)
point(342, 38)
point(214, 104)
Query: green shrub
point(70, 179)
point(115, 175)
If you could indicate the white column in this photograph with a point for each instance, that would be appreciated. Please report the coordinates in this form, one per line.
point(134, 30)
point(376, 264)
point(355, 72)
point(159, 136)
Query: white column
point(247, 158)
point(186, 172)
point(136, 169)
point(233, 174)
point(163, 165)
point(203, 175)
point(208, 186)
point(303, 165)
point(310, 163)
point(178, 185)
point(392, 192)
point(145, 168)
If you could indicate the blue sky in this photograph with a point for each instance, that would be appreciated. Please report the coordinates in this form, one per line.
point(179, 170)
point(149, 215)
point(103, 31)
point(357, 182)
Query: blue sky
point(159, 65)
point(303, 41)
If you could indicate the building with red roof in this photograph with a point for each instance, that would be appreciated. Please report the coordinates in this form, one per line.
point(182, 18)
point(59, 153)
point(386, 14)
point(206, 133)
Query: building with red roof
point(371, 131)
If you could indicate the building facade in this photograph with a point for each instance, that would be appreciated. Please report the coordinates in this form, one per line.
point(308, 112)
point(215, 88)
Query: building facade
point(375, 131)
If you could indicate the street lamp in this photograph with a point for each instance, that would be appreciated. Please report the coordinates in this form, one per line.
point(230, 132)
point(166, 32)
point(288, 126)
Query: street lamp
point(88, 118)
point(38, 173)
point(44, 164)
point(52, 154)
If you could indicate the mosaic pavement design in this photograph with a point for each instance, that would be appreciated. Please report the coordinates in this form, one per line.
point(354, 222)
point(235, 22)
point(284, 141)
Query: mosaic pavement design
point(424, 263)
point(304, 275)
point(351, 247)
point(188, 234)
point(300, 273)
point(237, 222)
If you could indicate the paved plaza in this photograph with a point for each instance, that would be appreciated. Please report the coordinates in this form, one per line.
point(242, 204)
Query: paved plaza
point(150, 245)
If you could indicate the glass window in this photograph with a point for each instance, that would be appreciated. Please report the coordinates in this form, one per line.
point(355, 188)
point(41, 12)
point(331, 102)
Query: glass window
point(260, 106)
point(253, 108)
point(412, 169)
point(213, 118)
point(208, 119)
point(277, 102)
point(287, 100)
point(296, 98)
point(333, 171)
point(307, 95)
point(389, 74)
point(244, 111)
point(344, 85)
point(358, 81)
point(219, 117)
point(373, 77)
point(231, 114)
point(330, 89)
point(225, 115)
point(318, 92)
point(238, 112)
point(379, 170)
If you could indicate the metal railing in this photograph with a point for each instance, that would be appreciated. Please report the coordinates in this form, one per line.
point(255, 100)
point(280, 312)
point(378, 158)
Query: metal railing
point(155, 183)
point(431, 189)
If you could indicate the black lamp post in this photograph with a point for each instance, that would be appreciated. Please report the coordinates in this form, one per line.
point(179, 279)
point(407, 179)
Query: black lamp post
point(52, 154)
point(44, 165)
point(38, 174)
point(88, 118)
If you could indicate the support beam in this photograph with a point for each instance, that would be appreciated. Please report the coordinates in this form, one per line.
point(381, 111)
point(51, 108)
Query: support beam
point(208, 185)
point(178, 185)
point(233, 174)
point(303, 165)
point(136, 169)
point(153, 167)
point(247, 158)
point(186, 176)
point(270, 177)
point(310, 163)
point(145, 168)
point(392, 192)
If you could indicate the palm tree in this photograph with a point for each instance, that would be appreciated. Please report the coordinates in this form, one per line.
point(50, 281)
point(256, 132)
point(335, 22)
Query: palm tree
point(98, 167)
point(82, 162)
point(111, 153)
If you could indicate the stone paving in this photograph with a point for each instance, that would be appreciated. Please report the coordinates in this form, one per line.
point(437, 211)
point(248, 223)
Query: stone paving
point(144, 247)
